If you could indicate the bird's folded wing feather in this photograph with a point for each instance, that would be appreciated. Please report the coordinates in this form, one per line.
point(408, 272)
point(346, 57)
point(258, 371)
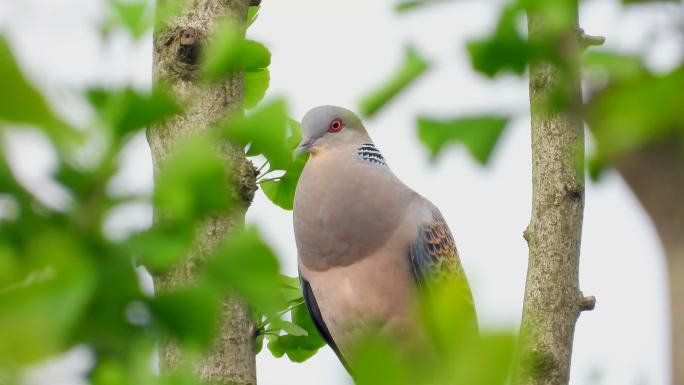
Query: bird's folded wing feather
point(434, 258)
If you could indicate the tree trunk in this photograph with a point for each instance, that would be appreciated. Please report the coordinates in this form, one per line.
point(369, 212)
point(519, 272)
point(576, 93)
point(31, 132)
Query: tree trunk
point(177, 45)
point(656, 175)
point(553, 300)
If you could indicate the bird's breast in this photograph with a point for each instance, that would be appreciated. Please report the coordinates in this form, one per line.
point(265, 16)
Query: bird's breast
point(345, 209)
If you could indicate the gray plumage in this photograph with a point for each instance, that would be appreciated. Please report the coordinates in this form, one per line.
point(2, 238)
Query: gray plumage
point(366, 242)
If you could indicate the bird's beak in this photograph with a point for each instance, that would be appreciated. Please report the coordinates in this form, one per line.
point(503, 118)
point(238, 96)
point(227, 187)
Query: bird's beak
point(304, 146)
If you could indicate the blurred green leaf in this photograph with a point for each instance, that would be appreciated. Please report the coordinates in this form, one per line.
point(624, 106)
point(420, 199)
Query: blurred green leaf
point(488, 361)
point(21, 103)
point(161, 247)
point(265, 130)
point(615, 67)
point(9, 265)
point(376, 362)
point(256, 84)
point(40, 312)
point(411, 69)
point(595, 166)
point(247, 265)
point(193, 182)
point(229, 52)
point(167, 10)
point(448, 313)
point(506, 50)
point(136, 16)
point(478, 134)
point(411, 5)
point(627, 115)
point(128, 110)
point(190, 315)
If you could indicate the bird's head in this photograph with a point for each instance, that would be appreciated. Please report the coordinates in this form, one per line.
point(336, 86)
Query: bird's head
point(325, 127)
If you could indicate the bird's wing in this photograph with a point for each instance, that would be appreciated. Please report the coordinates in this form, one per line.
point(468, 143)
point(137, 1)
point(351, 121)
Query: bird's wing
point(317, 318)
point(434, 260)
point(433, 252)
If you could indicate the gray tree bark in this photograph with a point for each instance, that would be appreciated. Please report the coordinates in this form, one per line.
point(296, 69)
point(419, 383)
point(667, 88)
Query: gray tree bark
point(177, 47)
point(656, 175)
point(553, 300)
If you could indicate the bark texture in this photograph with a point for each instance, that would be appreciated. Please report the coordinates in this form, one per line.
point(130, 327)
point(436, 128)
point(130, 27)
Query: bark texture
point(656, 175)
point(177, 47)
point(553, 300)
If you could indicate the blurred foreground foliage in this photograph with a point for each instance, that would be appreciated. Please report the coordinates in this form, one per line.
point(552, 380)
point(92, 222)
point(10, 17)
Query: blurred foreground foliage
point(448, 349)
point(628, 106)
point(65, 282)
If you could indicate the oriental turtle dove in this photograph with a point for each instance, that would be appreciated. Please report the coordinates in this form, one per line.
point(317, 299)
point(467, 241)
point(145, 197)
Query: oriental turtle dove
point(366, 242)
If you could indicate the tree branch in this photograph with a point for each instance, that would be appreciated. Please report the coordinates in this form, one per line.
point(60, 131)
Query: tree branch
point(177, 46)
point(553, 300)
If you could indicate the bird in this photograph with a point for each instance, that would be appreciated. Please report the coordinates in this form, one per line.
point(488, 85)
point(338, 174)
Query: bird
point(367, 244)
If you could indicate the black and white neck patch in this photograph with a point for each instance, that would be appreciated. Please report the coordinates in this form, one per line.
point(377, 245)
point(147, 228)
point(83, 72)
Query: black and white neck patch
point(369, 153)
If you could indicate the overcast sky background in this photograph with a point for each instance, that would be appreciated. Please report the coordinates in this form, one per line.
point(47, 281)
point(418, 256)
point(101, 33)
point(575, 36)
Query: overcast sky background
point(331, 52)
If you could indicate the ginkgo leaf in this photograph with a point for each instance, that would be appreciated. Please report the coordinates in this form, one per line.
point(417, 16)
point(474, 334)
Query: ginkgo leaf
point(411, 69)
point(478, 134)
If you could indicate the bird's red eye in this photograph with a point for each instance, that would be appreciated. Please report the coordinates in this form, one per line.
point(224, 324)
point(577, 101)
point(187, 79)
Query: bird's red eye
point(336, 126)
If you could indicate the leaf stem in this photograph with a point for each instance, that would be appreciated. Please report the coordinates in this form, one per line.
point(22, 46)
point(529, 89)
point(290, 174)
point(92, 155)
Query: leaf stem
point(268, 179)
point(262, 167)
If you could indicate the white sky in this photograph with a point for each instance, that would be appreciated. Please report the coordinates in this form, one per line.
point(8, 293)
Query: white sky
point(330, 53)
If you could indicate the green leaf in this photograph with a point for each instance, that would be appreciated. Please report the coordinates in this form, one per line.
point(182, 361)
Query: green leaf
point(160, 248)
point(190, 315)
point(479, 134)
point(247, 265)
point(21, 103)
point(40, 311)
point(287, 327)
point(411, 5)
point(275, 348)
point(301, 317)
point(448, 314)
point(265, 129)
point(411, 69)
point(256, 84)
point(259, 343)
point(167, 10)
point(135, 16)
point(628, 115)
point(252, 15)
point(298, 346)
point(376, 362)
point(488, 361)
point(281, 190)
point(618, 67)
point(193, 182)
point(506, 50)
point(229, 52)
point(128, 110)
